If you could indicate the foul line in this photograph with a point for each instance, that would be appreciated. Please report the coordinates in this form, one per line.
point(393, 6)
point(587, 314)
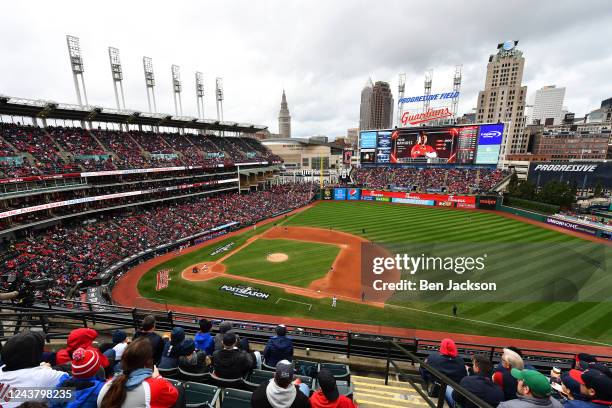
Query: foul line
point(501, 325)
point(294, 301)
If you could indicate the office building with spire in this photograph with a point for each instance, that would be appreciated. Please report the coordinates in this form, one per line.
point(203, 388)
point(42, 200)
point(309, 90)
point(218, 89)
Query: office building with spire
point(376, 109)
point(503, 98)
point(284, 119)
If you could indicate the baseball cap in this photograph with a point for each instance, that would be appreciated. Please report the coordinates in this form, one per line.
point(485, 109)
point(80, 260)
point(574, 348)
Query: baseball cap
point(584, 359)
point(281, 330)
point(119, 336)
point(284, 370)
point(229, 339)
point(85, 363)
point(570, 383)
point(327, 382)
point(536, 381)
point(600, 381)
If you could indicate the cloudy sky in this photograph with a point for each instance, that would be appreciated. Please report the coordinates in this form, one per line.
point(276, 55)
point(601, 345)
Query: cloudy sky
point(321, 52)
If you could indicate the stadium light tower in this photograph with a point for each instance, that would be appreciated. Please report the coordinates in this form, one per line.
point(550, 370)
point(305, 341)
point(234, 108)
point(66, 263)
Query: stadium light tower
point(219, 96)
point(76, 63)
point(456, 89)
point(401, 87)
point(428, 80)
point(147, 63)
point(199, 81)
point(177, 88)
point(117, 73)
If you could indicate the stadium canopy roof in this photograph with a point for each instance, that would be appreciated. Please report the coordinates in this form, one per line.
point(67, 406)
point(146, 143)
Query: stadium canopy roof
point(36, 108)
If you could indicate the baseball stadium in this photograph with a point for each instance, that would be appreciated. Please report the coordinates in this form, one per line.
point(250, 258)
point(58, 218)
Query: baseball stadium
point(162, 260)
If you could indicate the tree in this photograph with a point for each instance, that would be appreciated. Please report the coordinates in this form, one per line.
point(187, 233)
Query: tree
point(513, 184)
point(598, 189)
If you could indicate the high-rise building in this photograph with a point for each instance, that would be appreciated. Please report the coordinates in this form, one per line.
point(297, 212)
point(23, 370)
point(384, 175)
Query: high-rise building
point(284, 119)
point(503, 98)
point(365, 108)
point(548, 106)
point(382, 106)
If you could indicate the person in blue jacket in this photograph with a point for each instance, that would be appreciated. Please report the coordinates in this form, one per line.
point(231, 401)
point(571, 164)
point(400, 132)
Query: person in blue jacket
point(279, 347)
point(84, 383)
point(203, 340)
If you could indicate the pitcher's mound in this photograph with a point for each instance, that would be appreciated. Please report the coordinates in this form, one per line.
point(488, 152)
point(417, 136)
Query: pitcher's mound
point(277, 257)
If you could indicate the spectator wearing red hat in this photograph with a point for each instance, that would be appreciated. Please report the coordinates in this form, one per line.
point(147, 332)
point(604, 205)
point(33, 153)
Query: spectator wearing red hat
point(447, 361)
point(595, 384)
point(85, 366)
point(80, 338)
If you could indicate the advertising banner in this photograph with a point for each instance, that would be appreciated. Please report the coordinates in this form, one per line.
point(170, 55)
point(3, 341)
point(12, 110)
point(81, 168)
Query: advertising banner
point(487, 202)
point(383, 147)
point(367, 140)
point(383, 199)
point(466, 205)
point(340, 194)
point(327, 194)
point(445, 204)
point(346, 157)
point(582, 174)
point(471, 200)
point(489, 143)
point(354, 194)
point(571, 225)
point(416, 201)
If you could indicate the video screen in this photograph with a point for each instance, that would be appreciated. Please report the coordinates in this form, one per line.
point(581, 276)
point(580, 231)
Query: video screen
point(424, 144)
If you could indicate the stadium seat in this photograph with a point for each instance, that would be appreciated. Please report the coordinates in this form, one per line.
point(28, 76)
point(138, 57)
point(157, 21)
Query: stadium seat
point(168, 372)
point(341, 372)
point(202, 378)
point(237, 383)
point(260, 376)
point(201, 395)
point(264, 366)
point(304, 367)
point(309, 381)
point(233, 398)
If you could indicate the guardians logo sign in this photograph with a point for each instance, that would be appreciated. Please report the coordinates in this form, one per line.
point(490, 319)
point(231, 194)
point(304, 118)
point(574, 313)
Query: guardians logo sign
point(245, 291)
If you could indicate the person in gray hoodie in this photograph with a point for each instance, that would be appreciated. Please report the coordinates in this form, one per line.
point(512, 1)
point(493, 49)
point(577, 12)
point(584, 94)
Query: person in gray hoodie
point(533, 391)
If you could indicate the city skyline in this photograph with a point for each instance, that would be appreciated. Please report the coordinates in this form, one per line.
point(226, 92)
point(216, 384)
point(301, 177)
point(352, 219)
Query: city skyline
point(323, 70)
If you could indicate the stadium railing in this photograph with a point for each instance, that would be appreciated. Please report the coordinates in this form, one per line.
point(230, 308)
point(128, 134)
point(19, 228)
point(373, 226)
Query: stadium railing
point(439, 377)
point(58, 318)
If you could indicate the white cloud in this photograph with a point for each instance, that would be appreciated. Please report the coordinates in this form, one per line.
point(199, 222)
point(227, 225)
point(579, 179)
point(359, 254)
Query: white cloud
point(320, 51)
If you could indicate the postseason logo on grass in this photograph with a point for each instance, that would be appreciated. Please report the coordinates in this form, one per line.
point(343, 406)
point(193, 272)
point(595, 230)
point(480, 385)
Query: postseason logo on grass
point(224, 248)
point(163, 278)
point(245, 291)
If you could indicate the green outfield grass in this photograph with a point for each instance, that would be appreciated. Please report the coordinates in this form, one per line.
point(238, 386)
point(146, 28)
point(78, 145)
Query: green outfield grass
point(553, 321)
point(307, 261)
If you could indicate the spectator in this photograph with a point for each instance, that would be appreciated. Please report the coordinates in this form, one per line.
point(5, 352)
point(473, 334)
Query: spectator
point(85, 366)
point(281, 392)
point(21, 356)
point(80, 338)
point(279, 347)
point(172, 348)
point(148, 331)
point(140, 383)
point(446, 361)
point(120, 342)
point(503, 376)
point(192, 360)
point(533, 390)
point(595, 385)
point(224, 327)
point(231, 362)
point(479, 384)
point(328, 396)
point(582, 361)
point(570, 388)
point(203, 339)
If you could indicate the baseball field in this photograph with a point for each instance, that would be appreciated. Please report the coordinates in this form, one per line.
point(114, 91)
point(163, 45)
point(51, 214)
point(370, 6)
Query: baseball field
point(294, 265)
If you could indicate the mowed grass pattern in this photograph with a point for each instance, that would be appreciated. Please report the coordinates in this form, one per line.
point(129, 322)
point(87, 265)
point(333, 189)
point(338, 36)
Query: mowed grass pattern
point(558, 321)
point(307, 261)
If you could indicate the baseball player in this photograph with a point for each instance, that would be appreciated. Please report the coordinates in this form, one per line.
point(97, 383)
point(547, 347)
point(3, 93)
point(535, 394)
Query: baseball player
point(334, 301)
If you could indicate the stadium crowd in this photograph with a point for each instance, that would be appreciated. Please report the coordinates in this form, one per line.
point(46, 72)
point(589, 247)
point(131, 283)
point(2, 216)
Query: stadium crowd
point(129, 372)
point(81, 252)
point(455, 181)
point(28, 150)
